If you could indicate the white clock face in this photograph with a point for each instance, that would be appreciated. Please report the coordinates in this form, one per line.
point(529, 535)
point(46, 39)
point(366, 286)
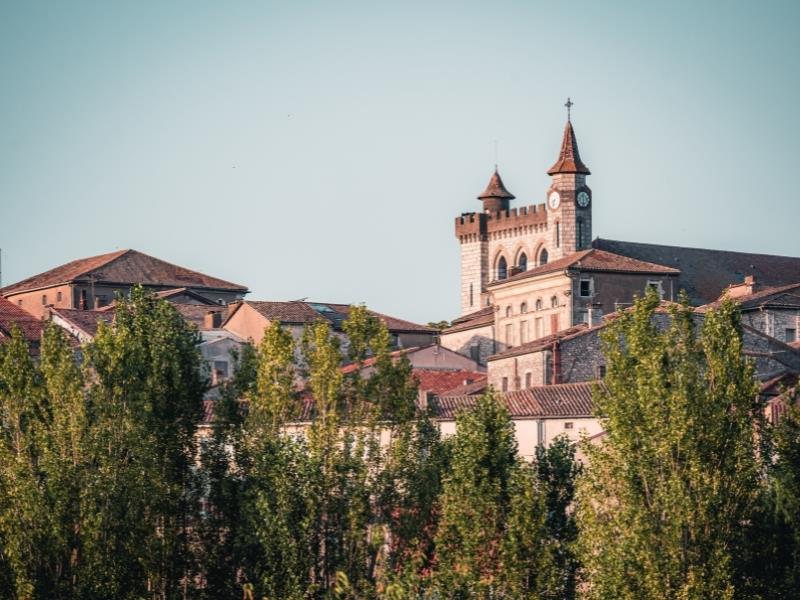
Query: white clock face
point(583, 199)
point(554, 200)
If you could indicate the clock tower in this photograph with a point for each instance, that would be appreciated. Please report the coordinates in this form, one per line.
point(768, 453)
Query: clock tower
point(569, 199)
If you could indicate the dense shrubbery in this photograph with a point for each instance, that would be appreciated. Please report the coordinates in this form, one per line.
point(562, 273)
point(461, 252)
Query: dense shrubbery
point(105, 490)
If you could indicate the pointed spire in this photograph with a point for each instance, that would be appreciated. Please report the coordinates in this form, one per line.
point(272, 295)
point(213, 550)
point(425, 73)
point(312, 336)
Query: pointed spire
point(496, 189)
point(569, 160)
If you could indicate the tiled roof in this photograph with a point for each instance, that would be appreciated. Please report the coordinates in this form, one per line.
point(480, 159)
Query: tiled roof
point(123, 267)
point(495, 188)
point(786, 296)
point(183, 291)
point(299, 312)
point(545, 401)
point(196, 313)
point(472, 389)
point(705, 274)
point(569, 159)
point(352, 367)
point(87, 321)
point(594, 260)
point(439, 381)
point(547, 341)
point(11, 314)
point(479, 318)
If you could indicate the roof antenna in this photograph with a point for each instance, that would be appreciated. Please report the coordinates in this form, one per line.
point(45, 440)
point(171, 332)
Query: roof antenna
point(569, 104)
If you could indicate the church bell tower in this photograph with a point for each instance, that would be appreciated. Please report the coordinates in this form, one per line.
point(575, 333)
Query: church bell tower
point(569, 199)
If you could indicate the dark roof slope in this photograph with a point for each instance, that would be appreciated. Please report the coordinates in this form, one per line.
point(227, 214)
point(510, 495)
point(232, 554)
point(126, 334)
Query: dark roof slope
point(87, 321)
point(594, 260)
point(123, 267)
point(479, 318)
point(554, 401)
point(705, 274)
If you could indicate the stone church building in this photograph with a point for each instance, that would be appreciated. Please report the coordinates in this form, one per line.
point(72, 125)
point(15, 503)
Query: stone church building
point(533, 271)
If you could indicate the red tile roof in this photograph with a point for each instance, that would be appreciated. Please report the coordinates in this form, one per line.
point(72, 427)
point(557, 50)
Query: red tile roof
point(496, 189)
point(353, 367)
point(472, 389)
point(569, 159)
point(545, 401)
point(122, 267)
point(196, 313)
point(786, 296)
point(705, 274)
point(11, 315)
point(594, 260)
point(438, 381)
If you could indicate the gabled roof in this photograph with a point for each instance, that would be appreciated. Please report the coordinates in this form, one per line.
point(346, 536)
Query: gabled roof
point(544, 401)
point(12, 315)
point(496, 188)
point(547, 341)
point(593, 260)
point(122, 267)
point(786, 296)
point(183, 291)
point(87, 321)
point(569, 159)
point(705, 274)
point(299, 312)
point(479, 318)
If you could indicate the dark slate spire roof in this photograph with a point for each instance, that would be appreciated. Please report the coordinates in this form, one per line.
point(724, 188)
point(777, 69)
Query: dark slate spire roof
point(496, 189)
point(569, 159)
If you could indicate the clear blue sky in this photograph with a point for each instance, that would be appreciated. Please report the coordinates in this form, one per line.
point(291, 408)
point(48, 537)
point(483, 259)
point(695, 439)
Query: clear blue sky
point(324, 149)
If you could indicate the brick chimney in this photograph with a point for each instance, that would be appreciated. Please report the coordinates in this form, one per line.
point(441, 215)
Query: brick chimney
point(212, 319)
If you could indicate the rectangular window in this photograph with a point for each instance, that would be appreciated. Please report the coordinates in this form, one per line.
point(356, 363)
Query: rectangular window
point(548, 367)
point(509, 334)
point(583, 316)
point(505, 384)
point(221, 367)
point(558, 235)
point(527, 380)
point(586, 288)
point(601, 371)
point(470, 294)
point(790, 335)
point(19, 302)
point(44, 299)
point(538, 328)
point(58, 296)
point(568, 425)
point(523, 332)
point(475, 352)
point(100, 300)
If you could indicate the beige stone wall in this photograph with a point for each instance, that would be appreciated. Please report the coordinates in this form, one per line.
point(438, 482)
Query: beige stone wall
point(35, 302)
point(515, 370)
point(529, 323)
point(462, 342)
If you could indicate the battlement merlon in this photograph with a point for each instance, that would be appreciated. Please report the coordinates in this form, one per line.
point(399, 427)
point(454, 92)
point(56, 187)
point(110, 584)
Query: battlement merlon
point(480, 224)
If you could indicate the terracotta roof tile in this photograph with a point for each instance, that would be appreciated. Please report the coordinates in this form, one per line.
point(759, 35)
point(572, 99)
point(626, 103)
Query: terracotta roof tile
point(87, 321)
point(123, 267)
point(705, 274)
point(438, 381)
point(11, 315)
point(569, 159)
point(594, 260)
point(561, 400)
point(496, 189)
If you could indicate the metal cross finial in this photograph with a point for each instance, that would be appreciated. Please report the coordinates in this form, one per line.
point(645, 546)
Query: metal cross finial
point(568, 104)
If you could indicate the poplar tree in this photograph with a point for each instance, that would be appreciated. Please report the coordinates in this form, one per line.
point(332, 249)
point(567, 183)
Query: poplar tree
point(668, 500)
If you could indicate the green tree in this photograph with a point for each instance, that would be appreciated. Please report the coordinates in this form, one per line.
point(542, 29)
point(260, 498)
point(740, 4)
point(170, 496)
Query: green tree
point(666, 503)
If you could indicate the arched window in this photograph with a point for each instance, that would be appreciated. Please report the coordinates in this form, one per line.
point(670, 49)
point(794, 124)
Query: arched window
point(523, 308)
point(553, 301)
point(502, 268)
point(508, 311)
point(539, 304)
point(523, 262)
point(543, 256)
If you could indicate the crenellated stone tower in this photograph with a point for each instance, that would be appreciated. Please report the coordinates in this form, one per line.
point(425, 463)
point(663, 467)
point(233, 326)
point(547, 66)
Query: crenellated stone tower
point(501, 242)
